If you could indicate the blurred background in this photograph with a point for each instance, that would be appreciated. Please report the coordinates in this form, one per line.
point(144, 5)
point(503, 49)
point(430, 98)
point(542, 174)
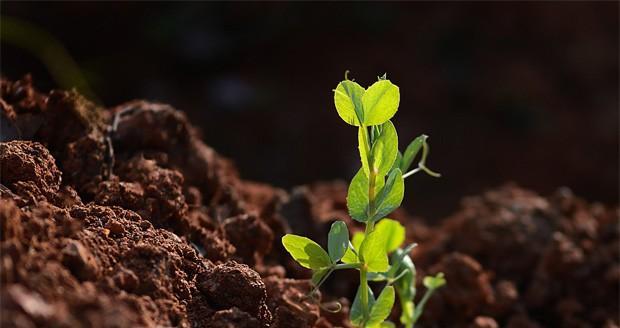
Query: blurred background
point(524, 92)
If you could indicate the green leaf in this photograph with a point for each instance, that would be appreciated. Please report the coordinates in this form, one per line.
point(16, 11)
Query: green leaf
point(382, 307)
point(385, 149)
point(372, 252)
point(410, 153)
point(349, 257)
point(380, 102)
point(337, 240)
point(435, 282)
point(317, 275)
point(357, 313)
point(387, 324)
point(391, 195)
point(405, 287)
point(348, 101)
point(306, 252)
point(357, 196)
point(394, 232)
point(356, 242)
point(396, 261)
point(406, 284)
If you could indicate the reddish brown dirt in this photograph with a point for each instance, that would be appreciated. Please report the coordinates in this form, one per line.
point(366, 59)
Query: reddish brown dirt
point(123, 217)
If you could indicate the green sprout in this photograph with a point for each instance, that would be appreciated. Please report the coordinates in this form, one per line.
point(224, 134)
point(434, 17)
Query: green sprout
point(375, 191)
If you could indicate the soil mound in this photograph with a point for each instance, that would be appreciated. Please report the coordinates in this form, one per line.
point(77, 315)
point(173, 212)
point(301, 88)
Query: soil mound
point(123, 217)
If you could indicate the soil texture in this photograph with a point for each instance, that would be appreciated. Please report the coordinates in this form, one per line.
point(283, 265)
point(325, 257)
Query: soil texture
point(123, 217)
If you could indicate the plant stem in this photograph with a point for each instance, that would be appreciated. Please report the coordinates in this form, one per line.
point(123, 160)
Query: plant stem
point(412, 172)
point(420, 306)
point(369, 224)
point(372, 177)
point(318, 285)
point(364, 291)
point(364, 280)
point(347, 266)
point(406, 311)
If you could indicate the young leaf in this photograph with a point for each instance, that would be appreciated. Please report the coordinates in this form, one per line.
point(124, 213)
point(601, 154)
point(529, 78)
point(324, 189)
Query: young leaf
point(382, 307)
point(405, 287)
point(337, 240)
point(397, 258)
point(306, 252)
point(435, 282)
point(394, 232)
point(412, 150)
point(385, 149)
point(357, 313)
point(431, 284)
point(356, 242)
point(390, 196)
point(380, 102)
point(357, 196)
point(348, 101)
point(406, 284)
point(372, 252)
point(374, 132)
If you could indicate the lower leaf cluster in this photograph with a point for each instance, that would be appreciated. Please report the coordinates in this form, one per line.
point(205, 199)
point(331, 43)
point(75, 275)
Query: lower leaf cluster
point(369, 252)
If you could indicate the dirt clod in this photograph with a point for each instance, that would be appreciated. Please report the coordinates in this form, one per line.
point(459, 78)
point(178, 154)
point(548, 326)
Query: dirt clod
point(234, 285)
point(80, 261)
point(29, 170)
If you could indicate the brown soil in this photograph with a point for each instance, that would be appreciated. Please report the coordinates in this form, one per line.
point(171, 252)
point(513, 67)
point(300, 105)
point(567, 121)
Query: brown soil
point(123, 217)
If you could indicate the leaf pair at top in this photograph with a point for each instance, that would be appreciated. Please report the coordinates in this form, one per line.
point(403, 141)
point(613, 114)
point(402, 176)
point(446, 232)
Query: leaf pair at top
point(360, 107)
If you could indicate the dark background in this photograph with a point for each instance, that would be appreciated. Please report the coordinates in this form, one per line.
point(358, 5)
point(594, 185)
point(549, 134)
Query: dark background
point(524, 92)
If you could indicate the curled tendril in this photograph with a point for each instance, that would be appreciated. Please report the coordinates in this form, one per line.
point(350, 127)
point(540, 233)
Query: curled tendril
point(346, 75)
point(331, 307)
point(315, 297)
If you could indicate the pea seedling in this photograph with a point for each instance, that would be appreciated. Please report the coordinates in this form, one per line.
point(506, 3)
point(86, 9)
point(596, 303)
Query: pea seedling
point(374, 192)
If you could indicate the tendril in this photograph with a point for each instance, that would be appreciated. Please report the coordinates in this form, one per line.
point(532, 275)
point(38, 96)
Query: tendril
point(331, 307)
